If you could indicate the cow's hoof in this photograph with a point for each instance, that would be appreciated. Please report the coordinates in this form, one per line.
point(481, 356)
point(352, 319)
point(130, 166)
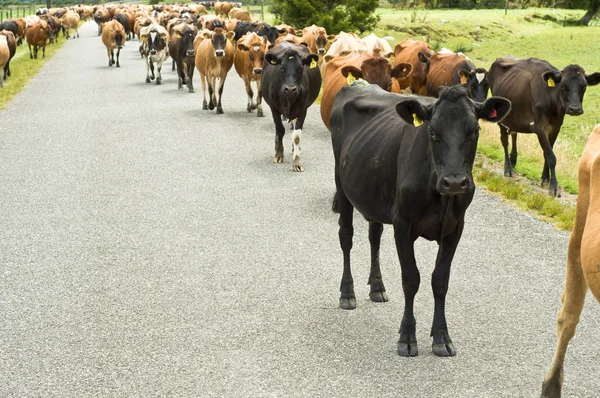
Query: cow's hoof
point(260, 114)
point(204, 107)
point(407, 345)
point(152, 77)
point(278, 158)
point(551, 389)
point(442, 346)
point(211, 106)
point(147, 80)
point(118, 66)
point(298, 166)
point(252, 107)
point(508, 173)
point(219, 111)
point(545, 181)
point(248, 109)
point(110, 64)
point(347, 303)
point(378, 297)
point(190, 90)
point(553, 192)
point(158, 82)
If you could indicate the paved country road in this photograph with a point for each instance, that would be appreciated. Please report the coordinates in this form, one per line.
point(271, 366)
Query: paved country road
point(151, 249)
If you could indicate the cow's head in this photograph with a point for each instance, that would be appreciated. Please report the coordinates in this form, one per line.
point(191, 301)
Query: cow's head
point(47, 30)
point(256, 48)
point(219, 40)
point(452, 125)
point(187, 36)
point(322, 40)
point(378, 71)
point(476, 82)
point(572, 81)
point(270, 32)
point(291, 64)
point(155, 40)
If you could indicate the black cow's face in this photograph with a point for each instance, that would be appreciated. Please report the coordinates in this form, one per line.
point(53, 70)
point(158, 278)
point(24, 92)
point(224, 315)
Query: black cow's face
point(292, 67)
point(156, 41)
point(270, 33)
point(453, 131)
point(476, 82)
point(572, 82)
point(187, 42)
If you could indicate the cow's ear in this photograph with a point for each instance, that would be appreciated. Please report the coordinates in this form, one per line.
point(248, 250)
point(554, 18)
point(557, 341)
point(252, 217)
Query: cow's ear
point(413, 112)
point(423, 58)
point(178, 34)
point(270, 46)
point(389, 54)
point(242, 47)
point(593, 79)
point(144, 37)
point(552, 78)
point(350, 72)
point(328, 57)
point(273, 60)
point(207, 35)
point(494, 109)
point(465, 76)
point(164, 36)
point(330, 37)
point(401, 70)
point(303, 43)
point(311, 60)
point(281, 31)
point(230, 35)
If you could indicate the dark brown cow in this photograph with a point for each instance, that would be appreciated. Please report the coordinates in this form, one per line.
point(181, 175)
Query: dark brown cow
point(408, 51)
point(181, 49)
point(343, 70)
point(541, 96)
point(248, 61)
point(37, 35)
point(20, 29)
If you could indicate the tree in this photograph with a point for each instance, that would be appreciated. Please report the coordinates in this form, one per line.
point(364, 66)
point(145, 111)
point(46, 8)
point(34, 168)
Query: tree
point(591, 6)
point(333, 15)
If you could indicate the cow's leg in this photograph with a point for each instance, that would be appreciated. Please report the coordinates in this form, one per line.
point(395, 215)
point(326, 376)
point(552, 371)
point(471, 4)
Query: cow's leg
point(180, 75)
point(30, 53)
point(377, 293)
point(6, 70)
point(411, 279)
point(77, 31)
point(203, 83)
point(158, 69)
point(346, 232)
point(99, 29)
point(152, 76)
point(110, 57)
point(279, 133)
point(545, 172)
point(44, 51)
point(250, 94)
point(221, 85)
point(118, 53)
point(259, 109)
point(190, 77)
point(148, 63)
point(172, 65)
point(1, 82)
point(504, 139)
point(513, 151)
point(296, 136)
point(442, 344)
point(573, 299)
point(550, 159)
point(35, 52)
point(211, 91)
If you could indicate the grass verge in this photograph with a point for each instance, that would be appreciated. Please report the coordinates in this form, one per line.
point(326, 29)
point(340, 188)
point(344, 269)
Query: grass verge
point(24, 69)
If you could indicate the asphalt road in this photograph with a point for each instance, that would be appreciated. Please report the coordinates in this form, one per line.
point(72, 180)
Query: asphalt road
point(152, 249)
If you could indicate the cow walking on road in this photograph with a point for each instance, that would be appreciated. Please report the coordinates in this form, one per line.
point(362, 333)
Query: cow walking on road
point(291, 82)
point(155, 39)
point(407, 161)
point(113, 37)
point(248, 61)
point(541, 96)
point(583, 261)
point(37, 35)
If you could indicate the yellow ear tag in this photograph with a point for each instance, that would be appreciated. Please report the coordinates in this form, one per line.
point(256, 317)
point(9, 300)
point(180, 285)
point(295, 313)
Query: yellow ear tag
point(551, 82)
point(416, 121)
point(350, 79)
point(273, 62)
point(313, 64)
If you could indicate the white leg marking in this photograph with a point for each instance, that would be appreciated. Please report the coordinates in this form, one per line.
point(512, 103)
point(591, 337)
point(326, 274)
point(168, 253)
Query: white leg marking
point(296, 135)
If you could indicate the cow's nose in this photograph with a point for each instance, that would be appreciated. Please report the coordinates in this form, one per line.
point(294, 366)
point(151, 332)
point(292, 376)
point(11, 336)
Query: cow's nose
point(153, 52)
point(321, 51)
point(574, 110)
point(290, 89)
point(257, 71)
point(219, 53)
point(190, 53)
point(454, 184)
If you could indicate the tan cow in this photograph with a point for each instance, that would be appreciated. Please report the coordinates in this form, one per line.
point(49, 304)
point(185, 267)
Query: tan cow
point(344, 70)
point(4, 54)
point(37, 35)
point(287, 28)
point(113, 37)
point(377, 46)
point(408, 51)
point(70, 21)
point(225, 8)
point(214, 58)
point(248, 61)
point(345, 43)
point(240, 14)
point(217, 7)
point(290, 39)
point(583, 261)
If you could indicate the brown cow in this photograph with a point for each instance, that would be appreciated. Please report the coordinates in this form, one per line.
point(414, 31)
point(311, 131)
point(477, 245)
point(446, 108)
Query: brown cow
point(225, 8)
point(447, 68)
point(70, 21)
point(291, 39)
point(214, 58)
point(316, 40)
point(21, 25)
point(541, 96)
point(37, 35)
point(240, 14)
point(248, 61)
point(583, 261)
point(183, 53)
point(8, 48)
point(286, 29)
point(113, 36)
point(408, 52)
point(343, 70)
point(217, 7)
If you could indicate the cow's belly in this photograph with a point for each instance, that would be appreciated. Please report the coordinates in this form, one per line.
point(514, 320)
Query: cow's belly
point(368, 176)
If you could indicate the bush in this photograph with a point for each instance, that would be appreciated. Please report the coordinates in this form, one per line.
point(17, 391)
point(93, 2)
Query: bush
point(333, 15)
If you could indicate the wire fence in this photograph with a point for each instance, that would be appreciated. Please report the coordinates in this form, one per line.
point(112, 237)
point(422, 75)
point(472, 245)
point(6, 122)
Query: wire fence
point(17, 12)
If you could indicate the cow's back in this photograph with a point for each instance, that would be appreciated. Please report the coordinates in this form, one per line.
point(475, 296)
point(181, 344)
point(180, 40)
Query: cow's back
point(443, 71)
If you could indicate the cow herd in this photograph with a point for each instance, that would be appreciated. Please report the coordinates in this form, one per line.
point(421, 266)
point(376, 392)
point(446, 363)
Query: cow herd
point(400, 159)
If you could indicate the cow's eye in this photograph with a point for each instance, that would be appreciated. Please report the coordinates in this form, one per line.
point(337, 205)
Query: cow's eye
point(432, 134)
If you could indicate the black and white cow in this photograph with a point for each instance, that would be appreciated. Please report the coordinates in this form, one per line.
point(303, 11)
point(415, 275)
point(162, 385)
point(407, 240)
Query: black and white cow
point(155, 39)
point(290, 83)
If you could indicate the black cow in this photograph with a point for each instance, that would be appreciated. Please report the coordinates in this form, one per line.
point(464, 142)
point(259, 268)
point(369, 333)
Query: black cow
point(260, 28)
point(123, 19)
point(407, 161)
point(181, 49)
point(477, 83)
point(290, 83)
point(541, 95)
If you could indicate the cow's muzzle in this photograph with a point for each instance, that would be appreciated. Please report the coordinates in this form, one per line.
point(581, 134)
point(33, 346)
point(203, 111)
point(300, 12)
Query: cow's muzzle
point(153, 52)
point(257, 71)
point(190, 53)
point(219, 53)
point(290, 89)
point(454, 184)
point(574, 110)
point(321, 51)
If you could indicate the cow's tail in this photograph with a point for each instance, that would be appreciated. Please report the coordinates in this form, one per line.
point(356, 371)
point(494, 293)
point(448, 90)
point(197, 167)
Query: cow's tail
point(335, 207)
